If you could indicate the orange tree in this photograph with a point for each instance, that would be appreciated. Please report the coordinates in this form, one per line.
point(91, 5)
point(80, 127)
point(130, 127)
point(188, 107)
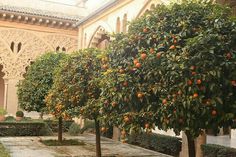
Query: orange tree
point(76, 89)
point(38, 80)
point(176, 69)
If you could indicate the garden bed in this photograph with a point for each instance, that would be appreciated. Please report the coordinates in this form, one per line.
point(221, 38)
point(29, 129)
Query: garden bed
point(69, 142)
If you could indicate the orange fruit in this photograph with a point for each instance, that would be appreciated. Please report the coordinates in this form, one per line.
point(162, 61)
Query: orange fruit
point(164, 101)
point(233, 82)
point(125, 84)
point(189, 82)
point(172, 47)
point(199, 81)
point(138, 65)
point(159, 55)
point(195, 95)
point(194, 73)
point(140, 95)
point(145, 30)
point(135, 61)
point(147, 125)
point(151, 50)
point(105, 66)
point(213, 113)
point(229, 55)
point(103, 129)
point(121, 71)
point(114, 104)
point(143, 56)
point(126, 119)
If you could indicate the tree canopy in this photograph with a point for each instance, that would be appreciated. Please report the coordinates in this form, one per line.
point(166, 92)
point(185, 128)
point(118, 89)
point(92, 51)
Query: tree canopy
point(38, 80)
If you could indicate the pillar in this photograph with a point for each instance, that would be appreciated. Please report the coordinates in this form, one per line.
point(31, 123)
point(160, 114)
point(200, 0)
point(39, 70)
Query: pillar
point(198, 142)
point(116, 134)
point(10, 97)
point(233, 134)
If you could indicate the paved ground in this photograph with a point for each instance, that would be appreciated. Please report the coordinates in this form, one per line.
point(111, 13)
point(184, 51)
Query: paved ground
point(31, 147)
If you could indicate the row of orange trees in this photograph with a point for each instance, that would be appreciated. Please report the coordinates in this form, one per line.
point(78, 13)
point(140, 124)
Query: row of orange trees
point(174, 69)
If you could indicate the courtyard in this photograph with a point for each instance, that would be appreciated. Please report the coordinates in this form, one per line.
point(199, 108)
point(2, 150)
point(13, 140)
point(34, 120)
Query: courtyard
point(117, 78)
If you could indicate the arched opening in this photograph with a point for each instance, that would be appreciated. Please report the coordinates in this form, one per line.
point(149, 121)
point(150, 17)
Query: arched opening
point(124, 26)
point(103, 42)
point(19, 47)
point(57, 48)
point(2, 87)
point(12, 46)
point(63, 49)
point(118, 25)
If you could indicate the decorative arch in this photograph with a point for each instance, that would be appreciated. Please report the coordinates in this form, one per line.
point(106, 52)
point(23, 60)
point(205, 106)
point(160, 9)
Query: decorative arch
point(62, 42)
point(27, 47)
point(97, 36)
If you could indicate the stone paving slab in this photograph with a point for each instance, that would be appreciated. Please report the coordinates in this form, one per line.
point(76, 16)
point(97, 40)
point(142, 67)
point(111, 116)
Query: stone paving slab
point(31, 147)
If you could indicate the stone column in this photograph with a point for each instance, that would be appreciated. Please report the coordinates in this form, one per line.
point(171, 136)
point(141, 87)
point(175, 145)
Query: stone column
point(116, 134)
point(184, 151)
point(5, 93)
point(11, 100)
point(198, 142)
point(233, 134)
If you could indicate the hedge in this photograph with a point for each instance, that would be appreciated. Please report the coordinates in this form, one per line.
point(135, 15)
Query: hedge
point(24, 128)
point(213, 150)
point(160, 143)
point(53, 124)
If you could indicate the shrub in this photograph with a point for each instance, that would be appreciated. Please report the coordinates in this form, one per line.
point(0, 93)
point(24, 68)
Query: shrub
point(46, 130)
point(3, 112)
point(74, 129)
point(213, 150)
point(10, 119)
point(160, 143)
point(53, 124)
point(19, 114)
point(26, 128)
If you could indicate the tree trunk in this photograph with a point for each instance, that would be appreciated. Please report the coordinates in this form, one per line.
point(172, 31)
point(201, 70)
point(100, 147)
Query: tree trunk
point(191, 145)
point(98, 139)
point(60, 129)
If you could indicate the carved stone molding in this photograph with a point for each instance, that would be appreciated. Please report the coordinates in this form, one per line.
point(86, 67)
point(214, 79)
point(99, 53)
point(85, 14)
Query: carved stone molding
point(69, 44)
point(18, 48)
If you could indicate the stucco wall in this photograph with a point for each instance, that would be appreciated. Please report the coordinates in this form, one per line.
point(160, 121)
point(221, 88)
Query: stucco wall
point(107, 20)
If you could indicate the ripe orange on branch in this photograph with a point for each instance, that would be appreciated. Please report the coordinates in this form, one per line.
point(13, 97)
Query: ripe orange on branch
point(135, 61)
point(140, 95)
point(143, 56)
point(199, 81)
point(164, 101)
point(213, 113)
point(138, 65)
point(151, 50)
point(195, 95)
point(172, 47)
